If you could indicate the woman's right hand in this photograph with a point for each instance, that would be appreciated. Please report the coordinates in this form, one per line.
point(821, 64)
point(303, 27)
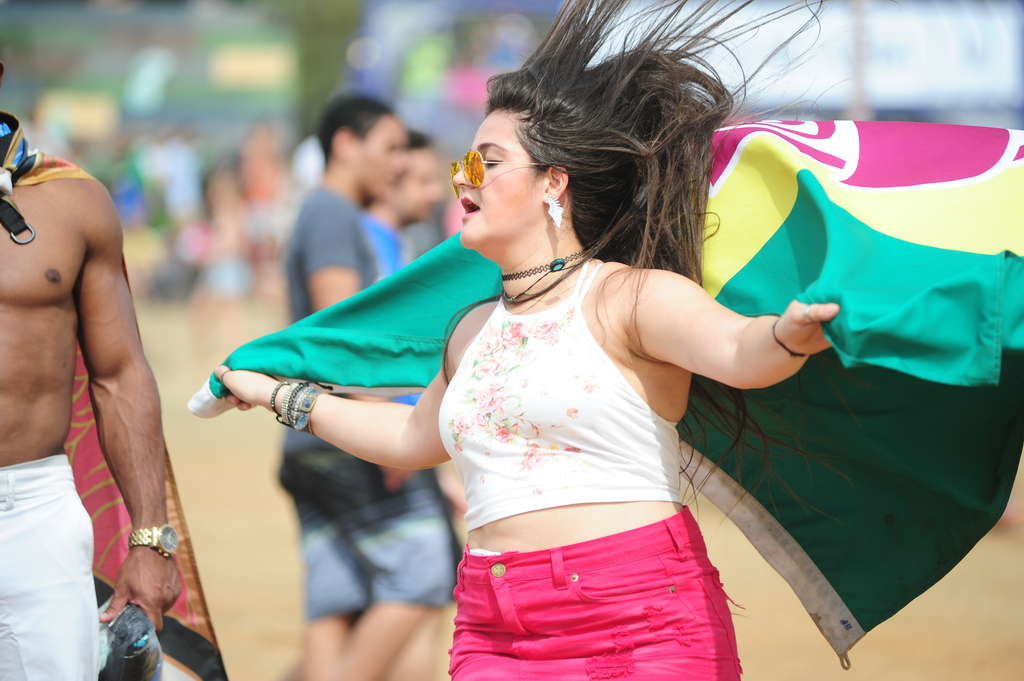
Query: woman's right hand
point(248, 388)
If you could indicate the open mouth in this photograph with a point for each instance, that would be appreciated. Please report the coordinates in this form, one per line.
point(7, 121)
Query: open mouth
point(469, 206)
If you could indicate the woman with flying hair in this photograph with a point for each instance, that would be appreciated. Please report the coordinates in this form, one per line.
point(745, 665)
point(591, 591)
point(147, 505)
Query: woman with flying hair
point(587, 184)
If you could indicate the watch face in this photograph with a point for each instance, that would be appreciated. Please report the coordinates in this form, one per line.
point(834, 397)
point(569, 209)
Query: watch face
point(168, 539)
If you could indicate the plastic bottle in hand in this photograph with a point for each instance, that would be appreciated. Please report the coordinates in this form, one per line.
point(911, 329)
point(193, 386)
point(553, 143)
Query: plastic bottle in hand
point(129, 648)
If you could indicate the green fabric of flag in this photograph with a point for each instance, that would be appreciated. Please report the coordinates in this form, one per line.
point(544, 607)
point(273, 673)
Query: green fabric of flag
point(389, 336)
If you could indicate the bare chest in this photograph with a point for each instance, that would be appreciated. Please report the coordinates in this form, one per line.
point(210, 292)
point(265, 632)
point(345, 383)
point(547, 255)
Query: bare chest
point(44, 271)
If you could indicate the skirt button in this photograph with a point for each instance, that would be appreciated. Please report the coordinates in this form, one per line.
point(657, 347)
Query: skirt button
point(498, 570)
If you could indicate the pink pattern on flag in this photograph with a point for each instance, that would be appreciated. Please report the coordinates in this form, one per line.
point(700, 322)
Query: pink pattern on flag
point(925, 156)
point(863, 151)
point(727, 142)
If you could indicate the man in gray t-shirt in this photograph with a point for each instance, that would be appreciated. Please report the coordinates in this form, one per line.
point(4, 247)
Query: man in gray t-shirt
point(362, 527)
point(327, 234)
point(328, 241)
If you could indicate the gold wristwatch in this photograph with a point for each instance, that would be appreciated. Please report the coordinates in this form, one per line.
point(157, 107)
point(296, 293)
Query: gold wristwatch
point(161, 538)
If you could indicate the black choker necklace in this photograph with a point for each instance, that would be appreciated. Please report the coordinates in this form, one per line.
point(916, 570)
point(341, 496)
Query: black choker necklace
point(556, 265)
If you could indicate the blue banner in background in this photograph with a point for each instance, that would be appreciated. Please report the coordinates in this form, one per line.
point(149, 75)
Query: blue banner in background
point(948, 61)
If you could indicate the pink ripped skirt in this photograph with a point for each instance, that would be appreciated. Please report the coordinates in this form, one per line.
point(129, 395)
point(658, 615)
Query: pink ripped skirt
point(642, 605)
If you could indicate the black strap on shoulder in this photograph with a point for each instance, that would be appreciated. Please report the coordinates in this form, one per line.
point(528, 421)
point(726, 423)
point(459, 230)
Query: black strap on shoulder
point(16, 160)
point(14, 222)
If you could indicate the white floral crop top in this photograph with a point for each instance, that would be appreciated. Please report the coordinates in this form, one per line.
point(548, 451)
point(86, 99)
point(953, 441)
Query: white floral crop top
point(538, 416)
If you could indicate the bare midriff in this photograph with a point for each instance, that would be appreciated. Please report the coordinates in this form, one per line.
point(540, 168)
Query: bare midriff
point(38, 326)
point(563, 525)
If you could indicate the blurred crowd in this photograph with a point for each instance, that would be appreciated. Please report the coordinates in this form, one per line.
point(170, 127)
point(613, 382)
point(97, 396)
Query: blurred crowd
point(208, 228)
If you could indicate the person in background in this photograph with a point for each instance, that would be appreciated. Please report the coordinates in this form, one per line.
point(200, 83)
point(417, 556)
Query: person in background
point(225, 278)
point(412, 201)
point(263, 173)
point(376, 543)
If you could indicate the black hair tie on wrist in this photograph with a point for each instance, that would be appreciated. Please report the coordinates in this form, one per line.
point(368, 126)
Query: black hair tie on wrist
point(783, 345)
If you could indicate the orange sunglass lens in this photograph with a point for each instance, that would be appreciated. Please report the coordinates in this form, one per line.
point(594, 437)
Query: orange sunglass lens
point(455, 171)
point(472, 169)
point(473, 165)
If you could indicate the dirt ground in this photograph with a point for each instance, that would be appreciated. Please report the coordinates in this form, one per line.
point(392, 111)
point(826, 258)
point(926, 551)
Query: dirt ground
point(968, 627)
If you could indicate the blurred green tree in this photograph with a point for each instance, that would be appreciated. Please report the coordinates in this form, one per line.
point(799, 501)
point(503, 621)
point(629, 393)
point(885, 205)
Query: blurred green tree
point(321, 31)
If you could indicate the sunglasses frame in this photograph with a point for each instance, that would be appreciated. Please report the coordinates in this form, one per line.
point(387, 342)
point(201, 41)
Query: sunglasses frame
point(472, 165)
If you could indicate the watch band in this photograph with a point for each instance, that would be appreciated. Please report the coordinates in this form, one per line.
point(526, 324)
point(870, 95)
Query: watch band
point(150, 538)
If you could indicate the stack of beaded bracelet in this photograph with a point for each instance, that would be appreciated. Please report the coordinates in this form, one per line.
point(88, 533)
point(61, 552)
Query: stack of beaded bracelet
point(297, 402)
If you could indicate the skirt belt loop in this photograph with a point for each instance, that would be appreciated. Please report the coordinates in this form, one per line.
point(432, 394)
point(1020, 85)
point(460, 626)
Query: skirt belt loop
point(679, 539)
point(558, 569)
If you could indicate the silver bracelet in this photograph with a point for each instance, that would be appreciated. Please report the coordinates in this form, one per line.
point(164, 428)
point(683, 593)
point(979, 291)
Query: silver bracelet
point(302, 405)
point(298, 405)
point(273, 396)
point(282, 414)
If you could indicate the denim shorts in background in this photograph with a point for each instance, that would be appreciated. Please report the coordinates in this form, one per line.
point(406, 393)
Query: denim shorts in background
point(645, 605)
point(406, 559)
point(363, 543)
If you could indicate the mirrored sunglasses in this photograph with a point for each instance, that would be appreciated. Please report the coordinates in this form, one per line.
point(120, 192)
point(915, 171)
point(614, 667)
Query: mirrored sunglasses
point(472, 166)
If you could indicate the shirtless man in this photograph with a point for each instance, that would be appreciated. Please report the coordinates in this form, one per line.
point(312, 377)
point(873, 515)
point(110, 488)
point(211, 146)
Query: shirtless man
point(67, 285)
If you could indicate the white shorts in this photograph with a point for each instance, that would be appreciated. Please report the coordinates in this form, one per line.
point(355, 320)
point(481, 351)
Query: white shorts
point(49, 625)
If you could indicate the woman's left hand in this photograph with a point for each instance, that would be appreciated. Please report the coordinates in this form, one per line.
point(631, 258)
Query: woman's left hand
point(799, 327)
point(248, 388)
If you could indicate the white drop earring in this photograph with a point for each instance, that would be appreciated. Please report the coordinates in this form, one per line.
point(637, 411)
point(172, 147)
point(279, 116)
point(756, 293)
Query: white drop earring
point(554, 209)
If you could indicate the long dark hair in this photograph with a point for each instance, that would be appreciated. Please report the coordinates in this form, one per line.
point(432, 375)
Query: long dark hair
point(634, 129)
point(632, 122)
